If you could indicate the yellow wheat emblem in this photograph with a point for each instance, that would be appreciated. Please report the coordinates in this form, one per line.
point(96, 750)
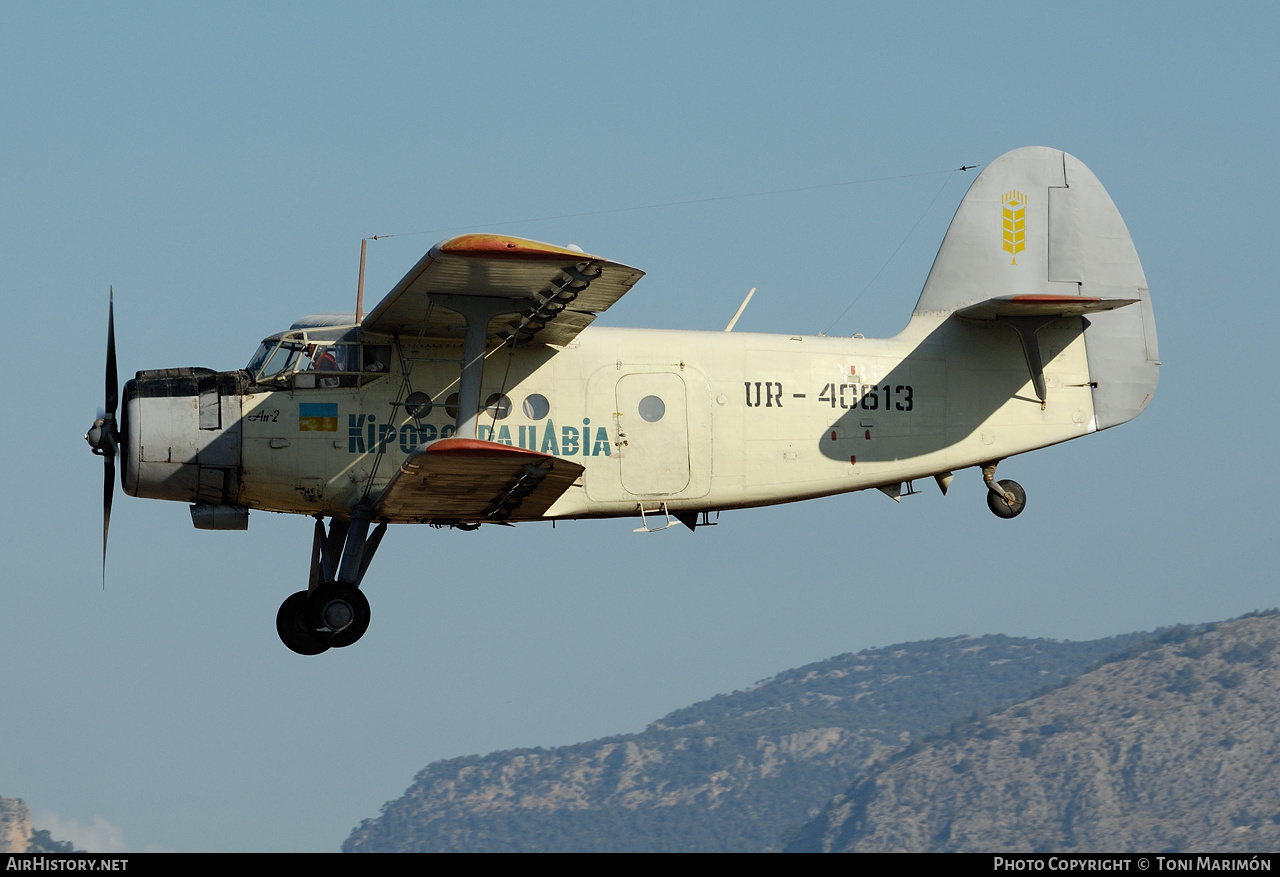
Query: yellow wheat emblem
point(1015, 223)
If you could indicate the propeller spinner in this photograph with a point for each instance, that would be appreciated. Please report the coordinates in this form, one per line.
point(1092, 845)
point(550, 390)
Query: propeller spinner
point(104, 437)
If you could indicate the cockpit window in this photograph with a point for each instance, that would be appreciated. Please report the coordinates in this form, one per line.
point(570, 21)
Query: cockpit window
point(321, 358)
point(302, 358)
point(377, 358)
point(255, 364)
point(281, 360)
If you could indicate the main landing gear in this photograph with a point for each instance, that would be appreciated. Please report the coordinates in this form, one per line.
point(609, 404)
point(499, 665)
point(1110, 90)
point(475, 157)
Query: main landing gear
point(333, 612)
point(1006, 499)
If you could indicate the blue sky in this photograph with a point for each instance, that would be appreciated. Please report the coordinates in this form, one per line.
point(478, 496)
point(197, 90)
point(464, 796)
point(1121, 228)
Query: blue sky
point(219, 165)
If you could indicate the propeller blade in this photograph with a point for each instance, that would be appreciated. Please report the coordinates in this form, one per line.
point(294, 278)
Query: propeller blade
point(108, 491)
point(104, 437)
point(113, 390)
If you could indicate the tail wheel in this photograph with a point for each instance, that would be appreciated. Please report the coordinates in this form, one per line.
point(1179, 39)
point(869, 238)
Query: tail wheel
point(291, 625)
point(338, 612)
point(1011, 507)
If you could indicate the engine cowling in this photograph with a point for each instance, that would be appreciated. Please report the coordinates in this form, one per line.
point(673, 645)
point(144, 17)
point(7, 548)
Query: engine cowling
point(181, 435)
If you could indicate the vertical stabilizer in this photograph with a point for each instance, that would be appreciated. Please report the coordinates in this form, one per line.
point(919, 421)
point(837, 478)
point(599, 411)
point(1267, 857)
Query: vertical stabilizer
point(1037, 226)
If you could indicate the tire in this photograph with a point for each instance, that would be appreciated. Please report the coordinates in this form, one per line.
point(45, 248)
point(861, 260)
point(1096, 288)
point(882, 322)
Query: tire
point(291, 625)
point(1003, 508)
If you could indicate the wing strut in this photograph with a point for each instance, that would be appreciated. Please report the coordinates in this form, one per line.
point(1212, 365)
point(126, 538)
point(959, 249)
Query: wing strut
point(344, 554)
point(1027, 328)
point(477, 311)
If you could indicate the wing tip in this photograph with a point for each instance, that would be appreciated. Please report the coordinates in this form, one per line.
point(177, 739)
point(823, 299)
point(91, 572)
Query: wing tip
point(498, 246)
point(471, 447)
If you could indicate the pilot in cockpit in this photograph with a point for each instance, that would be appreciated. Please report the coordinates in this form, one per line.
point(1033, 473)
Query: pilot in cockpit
point(322, 359)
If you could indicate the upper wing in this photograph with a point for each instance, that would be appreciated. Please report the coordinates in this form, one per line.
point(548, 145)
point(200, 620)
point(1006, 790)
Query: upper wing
point(555, 292)
point(458, 480)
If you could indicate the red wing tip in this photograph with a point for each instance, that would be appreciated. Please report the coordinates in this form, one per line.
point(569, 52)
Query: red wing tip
point(465, 447)
point(502, 246)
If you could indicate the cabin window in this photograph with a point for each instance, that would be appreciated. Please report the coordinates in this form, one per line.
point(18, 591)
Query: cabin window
point(536, 406)
point(417, 405)
point(377, 358)
point(652, 409)
point(497, 406)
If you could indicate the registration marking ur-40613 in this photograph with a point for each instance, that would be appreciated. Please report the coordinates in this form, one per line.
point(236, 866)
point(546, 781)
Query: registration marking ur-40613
point(868, 397)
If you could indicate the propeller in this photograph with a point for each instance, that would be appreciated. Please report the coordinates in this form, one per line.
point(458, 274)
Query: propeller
point(104, 437)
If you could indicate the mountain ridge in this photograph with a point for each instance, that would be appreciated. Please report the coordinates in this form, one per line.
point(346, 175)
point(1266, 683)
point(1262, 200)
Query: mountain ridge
point(733, 773)
point(1173, 745)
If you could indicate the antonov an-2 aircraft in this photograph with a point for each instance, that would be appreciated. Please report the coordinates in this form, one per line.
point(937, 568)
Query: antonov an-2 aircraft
point(477, 392)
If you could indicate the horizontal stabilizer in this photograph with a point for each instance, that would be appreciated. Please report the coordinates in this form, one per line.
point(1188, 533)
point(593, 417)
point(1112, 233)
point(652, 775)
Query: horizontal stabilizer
point(457, 480)
point(1041, 306)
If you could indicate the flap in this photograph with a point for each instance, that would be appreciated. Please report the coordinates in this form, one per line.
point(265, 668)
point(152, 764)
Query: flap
point(456, 480)
point(554, 291)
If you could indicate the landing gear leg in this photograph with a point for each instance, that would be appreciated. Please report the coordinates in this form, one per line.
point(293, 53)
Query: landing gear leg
point(1006, 499)
point(333, 612)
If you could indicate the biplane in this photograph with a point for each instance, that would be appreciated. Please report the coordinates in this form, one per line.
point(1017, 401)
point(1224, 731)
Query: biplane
point(478, 392)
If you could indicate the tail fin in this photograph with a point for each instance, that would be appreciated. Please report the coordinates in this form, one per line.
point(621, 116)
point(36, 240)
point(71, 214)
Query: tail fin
point(1035, 235)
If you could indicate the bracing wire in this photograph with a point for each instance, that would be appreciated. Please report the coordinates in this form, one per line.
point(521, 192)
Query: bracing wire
point(919, 220)
point(661, 204)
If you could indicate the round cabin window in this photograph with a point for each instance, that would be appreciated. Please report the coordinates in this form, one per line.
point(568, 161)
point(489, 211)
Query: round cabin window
point(417, 405)
point(652, 409)
point(497, 406)
point(536, 406)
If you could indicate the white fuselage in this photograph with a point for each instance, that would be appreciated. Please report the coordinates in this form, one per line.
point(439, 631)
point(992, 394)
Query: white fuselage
point(741, 419)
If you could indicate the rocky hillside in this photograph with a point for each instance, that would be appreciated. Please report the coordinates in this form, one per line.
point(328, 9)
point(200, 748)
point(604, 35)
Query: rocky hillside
point(731, 774)
point(17, 834)
point(15, 826)
point(1174, 746)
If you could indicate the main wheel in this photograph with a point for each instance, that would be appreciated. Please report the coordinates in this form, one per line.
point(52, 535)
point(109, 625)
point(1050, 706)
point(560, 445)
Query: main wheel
point(291, 624)
point(1004, 508)
point(338, 612)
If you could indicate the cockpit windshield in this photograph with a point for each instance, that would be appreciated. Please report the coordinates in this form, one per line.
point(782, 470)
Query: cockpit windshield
point(319, 358)
point(260, 358)
point(283, 359)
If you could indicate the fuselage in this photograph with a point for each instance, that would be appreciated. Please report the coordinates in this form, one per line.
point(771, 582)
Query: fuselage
point(695, 420)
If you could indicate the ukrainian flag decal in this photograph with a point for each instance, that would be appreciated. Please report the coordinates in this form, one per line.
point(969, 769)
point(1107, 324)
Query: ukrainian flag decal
point(317, 417)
